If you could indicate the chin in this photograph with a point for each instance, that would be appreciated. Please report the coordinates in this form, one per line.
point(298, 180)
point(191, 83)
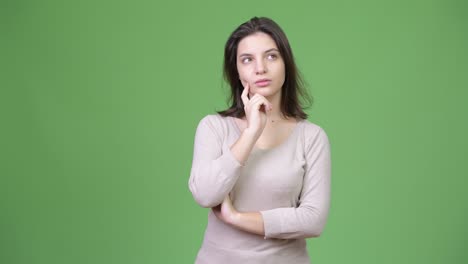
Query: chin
point(264, 91)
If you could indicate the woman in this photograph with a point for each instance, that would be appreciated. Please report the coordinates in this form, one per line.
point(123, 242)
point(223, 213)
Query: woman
point(262, 168)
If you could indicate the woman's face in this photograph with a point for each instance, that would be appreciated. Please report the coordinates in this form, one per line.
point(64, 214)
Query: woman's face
point(260, 65)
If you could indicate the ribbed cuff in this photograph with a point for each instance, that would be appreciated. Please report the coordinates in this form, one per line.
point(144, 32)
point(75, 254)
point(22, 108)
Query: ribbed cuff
point(271, 223)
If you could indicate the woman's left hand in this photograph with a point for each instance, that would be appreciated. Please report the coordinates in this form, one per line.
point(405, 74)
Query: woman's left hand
point(226, 211)
point(251, 222)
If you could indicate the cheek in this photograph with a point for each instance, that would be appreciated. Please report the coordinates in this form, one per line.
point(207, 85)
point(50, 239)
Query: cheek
point(281, 72)
point(242, 73)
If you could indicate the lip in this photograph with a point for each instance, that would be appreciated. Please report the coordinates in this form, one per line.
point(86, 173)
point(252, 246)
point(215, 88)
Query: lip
point(263, 82)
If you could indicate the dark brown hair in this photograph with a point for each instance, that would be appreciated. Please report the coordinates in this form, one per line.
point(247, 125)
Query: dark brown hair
point(293, 86)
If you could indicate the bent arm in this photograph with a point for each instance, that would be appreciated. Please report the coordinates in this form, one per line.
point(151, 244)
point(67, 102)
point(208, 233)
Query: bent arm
point(216, 166)
point(309, 218)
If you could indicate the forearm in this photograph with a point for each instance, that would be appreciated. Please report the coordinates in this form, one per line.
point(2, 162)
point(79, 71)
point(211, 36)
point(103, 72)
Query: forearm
point(280, 223)
point(301, 223)
point(251, 222)
point(243, 146)
point(293, 223)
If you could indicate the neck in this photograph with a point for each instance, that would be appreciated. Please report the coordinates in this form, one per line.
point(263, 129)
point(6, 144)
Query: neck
point(276, 114)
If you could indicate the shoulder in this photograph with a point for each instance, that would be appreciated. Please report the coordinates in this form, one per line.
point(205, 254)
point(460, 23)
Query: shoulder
point(214, 120)
point(313, 134)
point(214, 123)
point(311, 129)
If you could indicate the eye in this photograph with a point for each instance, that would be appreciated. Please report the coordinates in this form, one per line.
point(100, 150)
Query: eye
point(272, 56)
point(246, 60)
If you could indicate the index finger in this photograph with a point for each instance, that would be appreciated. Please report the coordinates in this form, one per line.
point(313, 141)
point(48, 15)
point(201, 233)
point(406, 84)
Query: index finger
point(245, 92)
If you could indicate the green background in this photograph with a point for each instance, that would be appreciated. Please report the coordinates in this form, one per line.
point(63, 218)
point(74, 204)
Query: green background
point(100, 100)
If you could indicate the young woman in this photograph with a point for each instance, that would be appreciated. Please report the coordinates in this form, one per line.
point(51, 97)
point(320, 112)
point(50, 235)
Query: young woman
point(262, 168)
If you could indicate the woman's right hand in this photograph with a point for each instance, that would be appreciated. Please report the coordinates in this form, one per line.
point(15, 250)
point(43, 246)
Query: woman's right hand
point(257, 109)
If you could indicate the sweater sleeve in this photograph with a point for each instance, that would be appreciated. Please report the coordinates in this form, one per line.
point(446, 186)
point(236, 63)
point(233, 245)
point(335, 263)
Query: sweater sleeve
point(309, 217)
point(214, 170)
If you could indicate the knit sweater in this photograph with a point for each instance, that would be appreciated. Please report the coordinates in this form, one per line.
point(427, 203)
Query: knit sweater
point(289, 184)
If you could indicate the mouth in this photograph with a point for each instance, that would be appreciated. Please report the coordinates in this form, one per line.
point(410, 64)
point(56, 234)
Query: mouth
point(263, 82)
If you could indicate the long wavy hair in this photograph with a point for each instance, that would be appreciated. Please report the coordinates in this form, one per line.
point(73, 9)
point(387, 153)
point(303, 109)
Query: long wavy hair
point(293, 87)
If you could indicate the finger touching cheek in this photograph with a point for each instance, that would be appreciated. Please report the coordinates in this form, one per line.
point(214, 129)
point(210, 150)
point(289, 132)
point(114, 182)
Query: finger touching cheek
point(244, 82)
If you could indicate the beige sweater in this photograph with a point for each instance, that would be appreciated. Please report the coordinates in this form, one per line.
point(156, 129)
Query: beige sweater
point(288, 184)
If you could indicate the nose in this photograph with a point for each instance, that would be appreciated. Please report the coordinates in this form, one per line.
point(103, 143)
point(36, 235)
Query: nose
point(260, 67)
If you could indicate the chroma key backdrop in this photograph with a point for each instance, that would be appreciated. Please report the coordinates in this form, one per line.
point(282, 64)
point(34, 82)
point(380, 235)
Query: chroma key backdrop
point(99, 102)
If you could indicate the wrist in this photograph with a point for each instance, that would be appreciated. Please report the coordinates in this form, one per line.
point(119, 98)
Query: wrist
point(252, 134)
point(234, 218)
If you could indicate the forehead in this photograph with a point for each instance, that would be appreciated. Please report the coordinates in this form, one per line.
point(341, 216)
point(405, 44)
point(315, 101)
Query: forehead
point(256, 43)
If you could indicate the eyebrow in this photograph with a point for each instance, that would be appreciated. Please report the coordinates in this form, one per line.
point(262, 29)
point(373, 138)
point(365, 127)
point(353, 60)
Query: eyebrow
point(266, 51)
